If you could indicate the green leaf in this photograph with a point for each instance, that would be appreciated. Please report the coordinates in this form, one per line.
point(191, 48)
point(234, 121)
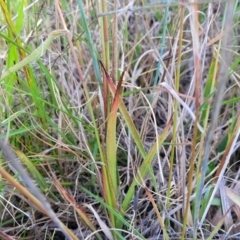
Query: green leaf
point(20, 18)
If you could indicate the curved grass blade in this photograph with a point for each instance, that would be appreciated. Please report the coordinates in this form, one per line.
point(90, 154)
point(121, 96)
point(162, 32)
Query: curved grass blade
point(127, 118)
point(36, 54)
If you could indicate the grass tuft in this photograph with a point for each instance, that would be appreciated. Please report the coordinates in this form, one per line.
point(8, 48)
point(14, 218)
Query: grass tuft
point(119, 120)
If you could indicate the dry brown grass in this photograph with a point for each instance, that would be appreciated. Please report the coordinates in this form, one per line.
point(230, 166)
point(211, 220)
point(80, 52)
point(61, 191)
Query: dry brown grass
point(200, 47)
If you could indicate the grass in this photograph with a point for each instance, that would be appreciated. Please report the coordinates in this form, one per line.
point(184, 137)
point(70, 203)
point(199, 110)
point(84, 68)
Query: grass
point(122, 121)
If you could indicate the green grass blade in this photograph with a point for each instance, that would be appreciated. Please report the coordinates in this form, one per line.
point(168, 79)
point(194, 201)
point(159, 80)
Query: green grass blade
point(40, 180)
point(36, 54)
point(90, 41)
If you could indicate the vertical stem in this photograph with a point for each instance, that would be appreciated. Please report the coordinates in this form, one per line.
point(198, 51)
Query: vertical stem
point(115, 44)
point(105, 55)
point(175, 116)
point(197, 67)
point(222, 80)
point(104, 35)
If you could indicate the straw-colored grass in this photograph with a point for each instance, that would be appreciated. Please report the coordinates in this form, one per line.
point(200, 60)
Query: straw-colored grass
point(119, 120)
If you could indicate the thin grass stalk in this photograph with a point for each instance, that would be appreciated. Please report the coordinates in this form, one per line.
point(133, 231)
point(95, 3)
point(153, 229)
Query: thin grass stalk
point(90, 41)
point(105, 56)
point(208, 92)
point(164, 30)
point(115, 44)
point(103, 157)
point(197, 73)
point(195, 36)
point(160, 220)
point(176, 104)
point(223, 160)
point(223, 78)
point(60, 123)
point(104, 35)
point(209, 88)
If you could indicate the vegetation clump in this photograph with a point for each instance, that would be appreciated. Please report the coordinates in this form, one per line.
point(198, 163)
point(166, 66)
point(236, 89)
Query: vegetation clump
point(119, 120)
